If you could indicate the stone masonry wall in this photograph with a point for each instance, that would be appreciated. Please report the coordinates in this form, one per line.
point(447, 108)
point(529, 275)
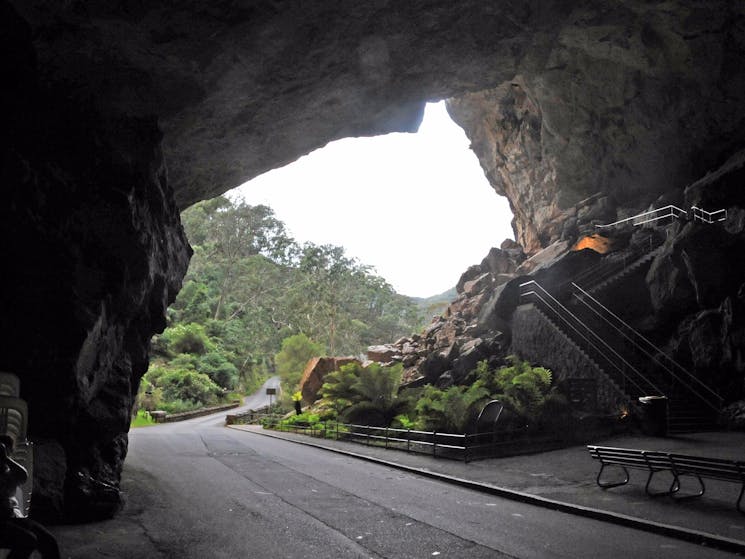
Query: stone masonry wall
point(536, 338)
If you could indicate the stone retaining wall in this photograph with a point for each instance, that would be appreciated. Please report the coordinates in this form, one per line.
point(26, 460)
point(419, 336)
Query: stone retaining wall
point(537, 339)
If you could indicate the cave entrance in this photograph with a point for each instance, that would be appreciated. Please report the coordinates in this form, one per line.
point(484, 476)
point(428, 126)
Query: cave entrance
point(416, 207)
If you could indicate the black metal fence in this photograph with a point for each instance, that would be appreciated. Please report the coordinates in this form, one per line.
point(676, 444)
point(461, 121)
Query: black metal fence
point(440, 445)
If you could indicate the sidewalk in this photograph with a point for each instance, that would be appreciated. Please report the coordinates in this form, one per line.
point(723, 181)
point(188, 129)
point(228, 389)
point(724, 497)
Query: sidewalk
point(568, 476)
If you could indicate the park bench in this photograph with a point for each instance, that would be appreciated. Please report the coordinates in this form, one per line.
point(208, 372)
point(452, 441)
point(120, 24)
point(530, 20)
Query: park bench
point(679, 466)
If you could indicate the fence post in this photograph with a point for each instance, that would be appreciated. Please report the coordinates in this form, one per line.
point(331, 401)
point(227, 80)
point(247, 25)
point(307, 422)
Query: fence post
point(434, 444)
point(337, 429)
point(386, 437)
point(408, 439)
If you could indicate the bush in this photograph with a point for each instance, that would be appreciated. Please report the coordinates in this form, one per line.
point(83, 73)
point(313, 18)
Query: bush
point(305, 418)
point(189, 385)
point(452, 410)
point(180, 406)
point(187, 338)
point(219, 369)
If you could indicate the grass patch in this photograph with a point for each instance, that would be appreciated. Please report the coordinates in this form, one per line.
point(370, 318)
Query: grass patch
point(142, 419)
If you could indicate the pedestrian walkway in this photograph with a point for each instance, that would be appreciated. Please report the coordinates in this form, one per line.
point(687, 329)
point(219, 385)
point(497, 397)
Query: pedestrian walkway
point(568, 476)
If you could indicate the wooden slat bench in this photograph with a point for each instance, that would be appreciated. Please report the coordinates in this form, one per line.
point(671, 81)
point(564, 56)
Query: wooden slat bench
point(679, 465)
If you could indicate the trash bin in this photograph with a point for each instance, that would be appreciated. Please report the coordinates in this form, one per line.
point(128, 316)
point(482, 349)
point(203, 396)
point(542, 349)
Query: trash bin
point(654, 415)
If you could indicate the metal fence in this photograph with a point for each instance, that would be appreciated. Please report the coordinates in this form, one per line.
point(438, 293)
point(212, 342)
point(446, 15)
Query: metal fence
point(440, 445)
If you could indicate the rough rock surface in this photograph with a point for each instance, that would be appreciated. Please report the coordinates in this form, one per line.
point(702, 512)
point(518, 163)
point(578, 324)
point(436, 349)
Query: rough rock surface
point(94, 253)
point(610, 113)
point(314, 373)
point(115, 114)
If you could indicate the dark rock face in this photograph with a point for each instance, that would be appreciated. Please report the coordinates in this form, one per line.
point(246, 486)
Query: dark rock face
point(95, 254)
point(579, 114)
point(610, 113)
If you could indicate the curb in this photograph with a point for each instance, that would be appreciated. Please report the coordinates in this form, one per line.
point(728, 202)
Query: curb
point(689, 535)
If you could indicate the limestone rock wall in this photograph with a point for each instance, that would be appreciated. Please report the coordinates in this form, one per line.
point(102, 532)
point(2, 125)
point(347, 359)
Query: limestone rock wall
point(94, 253)
point(630, 104)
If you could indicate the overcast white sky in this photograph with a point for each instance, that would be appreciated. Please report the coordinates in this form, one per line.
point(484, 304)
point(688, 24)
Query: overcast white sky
point(416, 207)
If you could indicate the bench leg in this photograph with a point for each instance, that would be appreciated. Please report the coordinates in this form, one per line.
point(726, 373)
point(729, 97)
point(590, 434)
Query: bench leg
point(674, 486)
point(607, 485)
point(692, 495)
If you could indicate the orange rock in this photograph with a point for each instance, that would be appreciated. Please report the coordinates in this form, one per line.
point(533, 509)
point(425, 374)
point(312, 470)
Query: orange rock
point(315, 371)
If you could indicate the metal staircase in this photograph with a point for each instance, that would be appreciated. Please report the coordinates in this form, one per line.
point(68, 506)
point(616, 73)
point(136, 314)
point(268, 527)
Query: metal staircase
point(693, 406)
point(621, 353)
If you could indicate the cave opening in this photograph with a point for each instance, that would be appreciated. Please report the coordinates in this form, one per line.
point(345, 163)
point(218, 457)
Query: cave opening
point(417, 207)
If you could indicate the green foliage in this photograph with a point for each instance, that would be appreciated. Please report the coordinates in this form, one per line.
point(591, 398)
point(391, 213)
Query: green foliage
point(189, 386)
point(402, 421)
point(187, 338)
point(303, 418)
point(142, 419)
point(365, 395)
point(450, 410)
point(296, 351)
point(180, 406)
point(249, 287)
point(216, 366)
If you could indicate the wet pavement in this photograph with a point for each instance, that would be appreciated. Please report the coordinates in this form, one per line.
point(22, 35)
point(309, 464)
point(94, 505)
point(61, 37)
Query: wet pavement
point(568, 476)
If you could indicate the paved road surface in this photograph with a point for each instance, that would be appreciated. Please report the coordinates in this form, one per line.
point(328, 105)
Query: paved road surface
point(199, 490)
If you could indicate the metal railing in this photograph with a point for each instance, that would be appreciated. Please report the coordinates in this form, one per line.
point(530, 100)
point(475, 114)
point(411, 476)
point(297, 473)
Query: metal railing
point(669, 211)
point(708, 217)
point(466, 447)
point(616, 263)
point(695, 386)
point(592, 342)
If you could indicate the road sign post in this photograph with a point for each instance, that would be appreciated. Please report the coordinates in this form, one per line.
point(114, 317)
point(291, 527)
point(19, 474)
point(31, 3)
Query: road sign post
point(271, 392)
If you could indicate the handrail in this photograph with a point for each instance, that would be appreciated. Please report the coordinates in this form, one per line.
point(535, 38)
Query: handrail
point(656, 350)
point(614, 263)
point(671, 213)
point(708, 217)
point(590, 342)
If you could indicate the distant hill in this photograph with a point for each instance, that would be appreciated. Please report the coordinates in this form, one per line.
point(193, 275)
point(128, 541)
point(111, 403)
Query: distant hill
point(434, 305)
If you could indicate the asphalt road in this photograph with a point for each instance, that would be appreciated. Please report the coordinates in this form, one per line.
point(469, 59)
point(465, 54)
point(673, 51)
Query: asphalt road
point(199, 490)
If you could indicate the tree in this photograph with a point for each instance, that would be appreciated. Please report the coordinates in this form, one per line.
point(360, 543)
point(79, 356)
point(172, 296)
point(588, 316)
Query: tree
point(377, 395)
point(296, 351)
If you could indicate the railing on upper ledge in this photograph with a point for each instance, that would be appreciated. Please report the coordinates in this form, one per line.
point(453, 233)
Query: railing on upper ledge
point(652, 216)
point(672, 212)
point(708, 217)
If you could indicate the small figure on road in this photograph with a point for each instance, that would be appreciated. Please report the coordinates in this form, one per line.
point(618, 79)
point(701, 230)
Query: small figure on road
point(18, 534)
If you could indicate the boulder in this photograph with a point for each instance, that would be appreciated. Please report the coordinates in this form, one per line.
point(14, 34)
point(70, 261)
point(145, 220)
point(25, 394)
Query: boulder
point(315, 371)
point(383, 353)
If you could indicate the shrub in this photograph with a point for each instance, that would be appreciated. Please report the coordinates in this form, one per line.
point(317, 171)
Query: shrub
point(180, 406)
point(450, 410)
point(365, 395)
point(189, 385)
point(187, 338)
point(219, 369)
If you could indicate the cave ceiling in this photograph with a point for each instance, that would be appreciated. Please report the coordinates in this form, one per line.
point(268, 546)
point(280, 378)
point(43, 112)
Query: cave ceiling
point(242, 87)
